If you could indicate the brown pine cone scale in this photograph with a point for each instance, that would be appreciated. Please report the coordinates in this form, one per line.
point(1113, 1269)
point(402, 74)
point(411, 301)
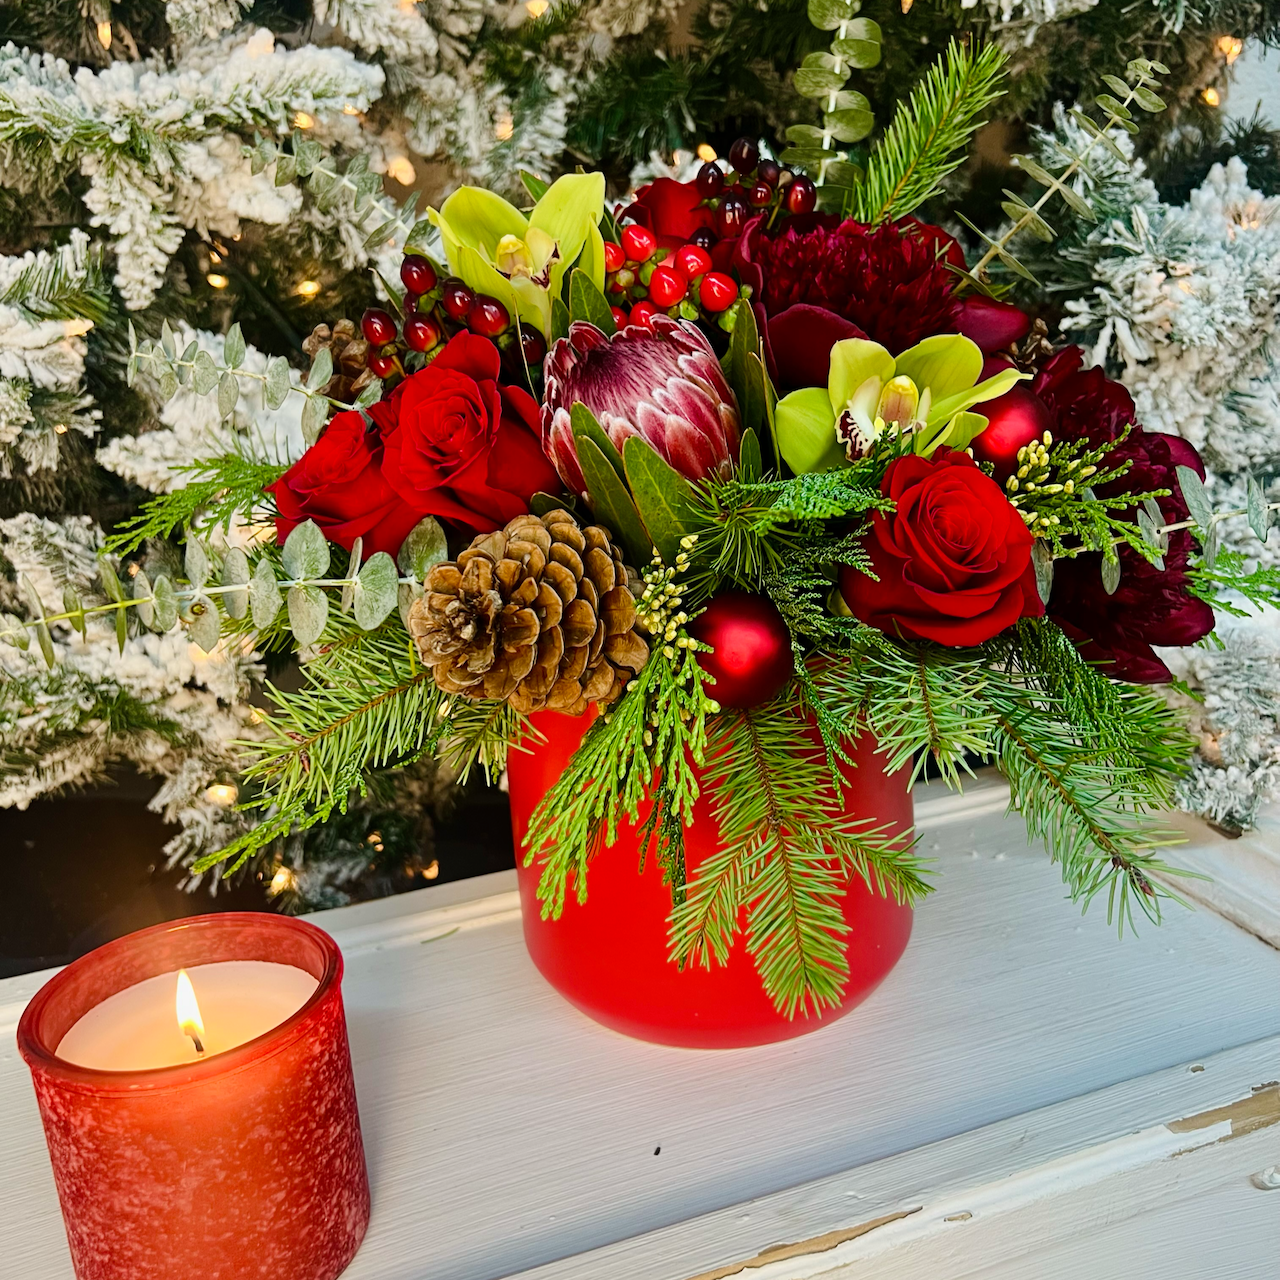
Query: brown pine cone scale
point(350, 352)
point(538, 613)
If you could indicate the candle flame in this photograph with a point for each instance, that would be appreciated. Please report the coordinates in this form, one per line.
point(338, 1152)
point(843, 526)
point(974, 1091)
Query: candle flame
point(188, 1010)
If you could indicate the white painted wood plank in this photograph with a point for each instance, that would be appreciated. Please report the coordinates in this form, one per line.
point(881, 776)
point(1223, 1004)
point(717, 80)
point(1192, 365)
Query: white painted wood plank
point(505, 1131)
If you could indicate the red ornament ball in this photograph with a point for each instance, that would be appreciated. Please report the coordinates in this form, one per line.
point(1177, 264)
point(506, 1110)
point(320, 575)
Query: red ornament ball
point(802, 195)
point(613, 256)
point(488, 317)
point(638, 243)
point(456, 298)
point(378, 327)
point(417, 274)
point(1014, 419)
point(751, 655)
point(667, 287)
point(691, 261)
point(420, 333)
point(642, 314)
point(718, 292)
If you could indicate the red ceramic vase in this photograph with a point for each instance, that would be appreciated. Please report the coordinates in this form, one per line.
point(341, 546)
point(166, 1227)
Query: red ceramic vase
point(608, 956)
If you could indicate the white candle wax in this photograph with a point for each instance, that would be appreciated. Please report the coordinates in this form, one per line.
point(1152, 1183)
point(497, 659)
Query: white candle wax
point(137, 1028)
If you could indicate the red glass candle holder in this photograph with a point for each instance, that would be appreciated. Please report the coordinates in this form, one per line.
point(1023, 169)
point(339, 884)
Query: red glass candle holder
point(245, 1163)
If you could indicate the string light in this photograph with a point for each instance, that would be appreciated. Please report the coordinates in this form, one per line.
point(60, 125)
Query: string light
point(431, 870)
point(215, 256)
point(504, 127)
point(283, 881)
point(77, 327)
point(221, 793)
point(217, 281)
point(1231, 47)
point(61, 429)
point(401, 169)
point(307, 288)
point(303, 120)
point(104, 34)
point(133, 564)
point(536, 8)
point(1211, 96)
point(706, 152)
point(350, 109)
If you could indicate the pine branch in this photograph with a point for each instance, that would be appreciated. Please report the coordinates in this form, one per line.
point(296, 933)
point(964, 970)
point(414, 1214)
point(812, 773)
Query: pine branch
point(929, 135)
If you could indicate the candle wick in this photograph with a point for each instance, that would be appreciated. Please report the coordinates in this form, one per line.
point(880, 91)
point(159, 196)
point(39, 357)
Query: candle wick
point(196, 1041)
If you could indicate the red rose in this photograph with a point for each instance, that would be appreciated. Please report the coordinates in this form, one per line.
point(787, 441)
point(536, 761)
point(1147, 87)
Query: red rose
point(672, 210)
point(338, 483)
point(953, 558)
point(457, 445)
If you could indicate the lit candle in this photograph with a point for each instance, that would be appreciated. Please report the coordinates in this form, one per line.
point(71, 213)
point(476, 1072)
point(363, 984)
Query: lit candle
point(195, 1085)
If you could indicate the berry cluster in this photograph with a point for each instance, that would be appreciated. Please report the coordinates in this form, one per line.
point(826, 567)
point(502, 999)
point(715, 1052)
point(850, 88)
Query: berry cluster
point(434, 310)
point(652, 280)
point(752, 186)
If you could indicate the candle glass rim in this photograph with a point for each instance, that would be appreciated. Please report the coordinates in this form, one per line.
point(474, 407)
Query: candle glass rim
point(39, 1055)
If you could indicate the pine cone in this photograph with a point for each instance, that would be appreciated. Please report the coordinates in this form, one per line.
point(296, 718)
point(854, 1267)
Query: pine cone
point(351, 373)
point(538, 613)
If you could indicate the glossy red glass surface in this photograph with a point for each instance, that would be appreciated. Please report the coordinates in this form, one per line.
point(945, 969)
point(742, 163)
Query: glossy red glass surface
point(609, 956)
point(248, 1163)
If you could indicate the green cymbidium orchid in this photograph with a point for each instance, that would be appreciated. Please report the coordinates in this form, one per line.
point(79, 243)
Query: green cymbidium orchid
point(521, 260)
point(926, 392)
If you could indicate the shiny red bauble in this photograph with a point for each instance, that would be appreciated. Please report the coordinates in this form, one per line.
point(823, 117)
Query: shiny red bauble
point(744, 155)
point(1015, 419)
point(642, 314)
point(751, 655)
point(732, 215)
point(456, 298)
point(417, 274)
point(710, 180)
point(613, 256)
point(378, 327)
point(533, 346)
point(420, 333)
point(691, 261)
point(717, 292)
point(802, 195)
point(488, 317)
point(667, 287)
point(638, 243)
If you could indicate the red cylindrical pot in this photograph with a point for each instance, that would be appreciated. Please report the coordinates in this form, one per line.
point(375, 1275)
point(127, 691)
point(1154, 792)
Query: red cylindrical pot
point(608, 956)
point(248, 1163)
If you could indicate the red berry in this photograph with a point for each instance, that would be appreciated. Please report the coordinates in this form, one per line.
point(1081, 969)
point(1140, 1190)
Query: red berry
point(760, 194)
point(638, 243)
point(383, 366)
point(769, 171)
point(750, 658)
point(710, 180)
point(642, 314)
point(691, 261)
point(488, 317)
point(704, 238)
point(802, 195)
point(456, 298)
point(667, 287)
point(378, 327)
point(731, 217)
point(417, 274)
point(613, 256)
point(420, 333)
point(744, 155)
point(409, 306)
point(619, 316)
point(718, 291)
point(533, 345)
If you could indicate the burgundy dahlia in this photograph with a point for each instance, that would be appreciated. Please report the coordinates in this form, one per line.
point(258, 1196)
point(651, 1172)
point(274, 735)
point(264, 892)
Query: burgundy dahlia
point(663, 385)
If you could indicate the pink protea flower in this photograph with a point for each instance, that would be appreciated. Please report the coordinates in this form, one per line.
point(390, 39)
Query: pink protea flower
point(663, 385)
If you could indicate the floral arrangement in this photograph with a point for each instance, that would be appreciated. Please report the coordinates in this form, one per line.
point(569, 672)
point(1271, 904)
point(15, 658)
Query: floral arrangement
point(742, 468)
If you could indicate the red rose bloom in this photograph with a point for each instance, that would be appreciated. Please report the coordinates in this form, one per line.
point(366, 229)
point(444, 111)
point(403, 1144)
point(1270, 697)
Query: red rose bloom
point(338, 483)
point(821, 280)
point(1151, 606)
point(672, 210)
point(458, 446)
point(953, 558)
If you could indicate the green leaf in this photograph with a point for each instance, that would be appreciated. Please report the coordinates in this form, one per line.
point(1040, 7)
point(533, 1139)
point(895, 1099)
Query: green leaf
point(71, 604)
point(560, 319)
point(1042, 559)
point(168, 343)
point(807, 157)
point(819, 74)
point(371, 394)
point(264, 594)
point(168, 385)
point(41, 628)
point(827, 15)
point(321, 369)
point(1110, 573)
point(228, 394)
point(585, 426)
point(806, 135)
point(1116, 85)
point(315, 413)
point(750, 467)
point(206, 625)
point(204, 373)
point(1147, 100)
point(306, 553)
point(233, 347)
point(852, 124)
point(663, 497)
point(858, 53)
point(354, 559)
point(376, 590)
point(1019, 211)
point(806, 431)
point(165, 601)
point(142, 594)
point(235, 573)
point(1259, 516)
point(407, 593)
point(308, 612)
point(196, 562)
point(612, 505)
point(542, 503)
point(426, 545)
point(122, 629)
point(1113, 106)
point(15, 632)
point(586, 302)
point(534, 185)
point(277, 385)
point(1195, 496)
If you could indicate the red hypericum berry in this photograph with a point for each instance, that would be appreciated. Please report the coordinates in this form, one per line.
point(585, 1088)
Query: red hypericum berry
point(456, 298)
point(533, 344)
point(420, 333)
point(642, 313)
point(488, 317)
point(802, 195)
point(417, 274)
point(731, 217)
point(769, 171)
point(613, 256)
point(638, 243)
point(744, 155)
point(710, 180)
point(692, 261)
point(760, 194)
point(378, 327)
point(410, 305)
point(704, 238)
point(718, 291)
point(667, 287)
point(383, 366)
point(619, 316)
